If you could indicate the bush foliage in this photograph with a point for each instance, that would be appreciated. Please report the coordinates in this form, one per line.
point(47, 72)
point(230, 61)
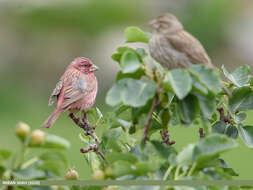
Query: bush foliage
point(147, 101)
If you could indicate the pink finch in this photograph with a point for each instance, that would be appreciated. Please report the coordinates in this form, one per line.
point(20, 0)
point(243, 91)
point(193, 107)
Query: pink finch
point(76, 90)
point(173, 47)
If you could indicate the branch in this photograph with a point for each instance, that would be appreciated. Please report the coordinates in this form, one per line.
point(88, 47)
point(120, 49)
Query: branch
point(94, 148)
point(166, 137)
point(149, 119)
point(201, 133)
point(223, 117)
point(89, 131)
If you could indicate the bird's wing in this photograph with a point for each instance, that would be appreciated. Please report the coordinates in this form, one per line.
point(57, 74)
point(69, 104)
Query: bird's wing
point(75, 91)
point(184, 42)
point(55, 92)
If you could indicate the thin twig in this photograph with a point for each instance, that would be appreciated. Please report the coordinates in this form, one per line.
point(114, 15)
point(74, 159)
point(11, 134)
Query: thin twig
point(166, 138)
point(94, 148)
point(89, 131)
point(149, 119)
point(228, 93)
point(222, 115)
point(192, 169)
point(167, 173)
point(201, 133)
point(226, 118)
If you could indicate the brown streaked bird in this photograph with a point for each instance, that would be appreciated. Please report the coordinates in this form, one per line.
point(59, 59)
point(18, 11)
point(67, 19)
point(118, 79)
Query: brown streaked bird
point(173, 47)
point(75, 91)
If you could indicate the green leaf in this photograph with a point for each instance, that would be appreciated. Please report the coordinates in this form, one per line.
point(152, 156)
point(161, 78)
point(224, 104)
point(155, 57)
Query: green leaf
point(189, 109)
point(141, 52)
point(121, 168)
point(29, 173)
point(207, 77)
point(135, 34)
point(162, 149)
point(143, 168)
point(129, 62)
point(120, 51)
point(2, 170)
point(212, 145)
point(131, 92)
point(115, 156)
point(53, 141)
point(230, 171)
point(207, 104)
point(135, 75)
point(242, 99)
point(246, 133)
point(181, 82)
point(231, 131)
point(4, 154)
point(240, 76)
point(55, 156)
point(57, 168)
point(110, 140)
point(219, 127)
point(239, 118)
point(197, 86)
point(165, 117)
point(186, 155)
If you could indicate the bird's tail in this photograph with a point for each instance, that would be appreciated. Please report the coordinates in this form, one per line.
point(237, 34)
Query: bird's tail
point(52, 118)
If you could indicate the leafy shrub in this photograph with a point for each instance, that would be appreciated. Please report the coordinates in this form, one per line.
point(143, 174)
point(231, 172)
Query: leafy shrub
point(29, 164)
point(148, 100)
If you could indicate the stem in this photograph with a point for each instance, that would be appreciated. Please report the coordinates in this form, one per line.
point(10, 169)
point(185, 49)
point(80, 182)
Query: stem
point(192, 169)
point(89, 130)
point(29, 162)
point(201, 133)
point(167, 173)
point(177, 171)
point(23, 152)
point(149, 119)
point(205, 128)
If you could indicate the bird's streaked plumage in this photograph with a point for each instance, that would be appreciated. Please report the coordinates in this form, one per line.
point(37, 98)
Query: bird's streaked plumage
point(173, 47)
point(76, 89)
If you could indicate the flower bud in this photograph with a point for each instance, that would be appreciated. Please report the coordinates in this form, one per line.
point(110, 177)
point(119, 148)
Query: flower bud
point(98, 175)
point(22, 130)
point(71, 174)
point(38, 138)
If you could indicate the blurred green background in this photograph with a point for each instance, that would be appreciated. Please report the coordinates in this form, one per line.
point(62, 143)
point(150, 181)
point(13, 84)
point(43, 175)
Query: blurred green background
point(39, 38)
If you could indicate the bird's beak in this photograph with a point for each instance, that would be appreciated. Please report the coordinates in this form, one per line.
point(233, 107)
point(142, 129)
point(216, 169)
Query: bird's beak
point(93, 68)
point(153, 23)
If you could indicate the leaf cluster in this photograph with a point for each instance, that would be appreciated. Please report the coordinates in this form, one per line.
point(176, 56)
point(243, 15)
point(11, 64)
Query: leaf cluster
point(192, 97)
point(40, 156)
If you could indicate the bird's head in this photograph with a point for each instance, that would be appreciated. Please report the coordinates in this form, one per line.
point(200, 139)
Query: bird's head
point(166, 23)
point(84, 65)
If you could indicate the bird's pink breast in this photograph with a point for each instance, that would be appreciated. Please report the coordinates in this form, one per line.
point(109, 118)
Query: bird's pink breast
point(88, 100)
